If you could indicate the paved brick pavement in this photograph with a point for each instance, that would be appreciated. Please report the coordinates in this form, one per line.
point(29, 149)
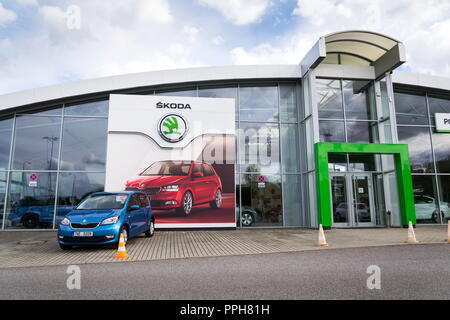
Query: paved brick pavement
point(41, 249)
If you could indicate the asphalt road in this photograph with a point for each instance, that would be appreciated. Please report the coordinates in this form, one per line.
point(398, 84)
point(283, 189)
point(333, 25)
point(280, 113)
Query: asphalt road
point(407, 272)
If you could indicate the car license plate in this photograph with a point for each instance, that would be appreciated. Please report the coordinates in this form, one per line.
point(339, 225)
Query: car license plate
point(83, 234)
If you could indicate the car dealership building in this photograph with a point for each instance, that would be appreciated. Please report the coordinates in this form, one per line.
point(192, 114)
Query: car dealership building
point(340, 139)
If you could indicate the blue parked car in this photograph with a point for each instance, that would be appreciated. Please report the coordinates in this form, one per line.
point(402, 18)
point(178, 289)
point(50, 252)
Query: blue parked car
point(35, 212)
point(101, 217)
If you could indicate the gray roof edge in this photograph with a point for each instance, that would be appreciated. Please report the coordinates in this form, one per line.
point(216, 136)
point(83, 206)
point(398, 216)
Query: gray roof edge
point(150, 78)
point(421, 80)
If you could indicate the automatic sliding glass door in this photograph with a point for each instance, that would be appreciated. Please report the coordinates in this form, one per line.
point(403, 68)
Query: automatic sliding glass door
point(352, 200)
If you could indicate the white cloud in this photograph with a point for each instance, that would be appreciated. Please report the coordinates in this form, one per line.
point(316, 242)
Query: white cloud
point(141, 35)
point(218, 40)
point(6, 16)
point(5, 44)
point(112, 40)
point(239, 12)
point(54, 20)
point(310, 9)
point(421, 25)
point(191, 32)
point(268, 54)
point(54, 16)
point(154, 11)
point(28, 2)
point(177, 49)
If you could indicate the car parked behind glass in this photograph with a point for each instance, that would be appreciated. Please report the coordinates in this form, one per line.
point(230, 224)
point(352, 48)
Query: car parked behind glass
point(35, 212)
point(426, 209)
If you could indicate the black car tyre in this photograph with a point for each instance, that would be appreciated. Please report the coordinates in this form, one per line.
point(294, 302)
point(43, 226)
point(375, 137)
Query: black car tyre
point(151, 229)
point(65, 246)
point(186, 204)
point(247, 219)
point(30, 221)
point(435, 217)
point(217, 202)
point(124, 230)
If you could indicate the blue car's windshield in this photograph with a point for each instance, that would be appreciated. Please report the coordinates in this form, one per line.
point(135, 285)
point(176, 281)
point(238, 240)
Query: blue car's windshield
point(103, 202)
point(168, 168)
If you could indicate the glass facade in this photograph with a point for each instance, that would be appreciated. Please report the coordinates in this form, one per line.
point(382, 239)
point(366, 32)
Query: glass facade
point(53, 157)
point(51, 160)
point(266, 124)
point(429, 151)
point(347, 113)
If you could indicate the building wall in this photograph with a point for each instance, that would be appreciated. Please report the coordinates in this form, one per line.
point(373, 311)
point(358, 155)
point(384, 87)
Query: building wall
point(348, 117)
point(278, 120)
point(429, 150)
point(63, 149)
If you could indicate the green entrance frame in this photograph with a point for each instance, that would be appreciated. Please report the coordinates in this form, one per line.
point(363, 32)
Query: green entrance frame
point(402, 168)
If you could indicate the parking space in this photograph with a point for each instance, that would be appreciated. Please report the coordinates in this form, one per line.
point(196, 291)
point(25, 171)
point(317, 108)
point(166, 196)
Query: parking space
point(23, 249)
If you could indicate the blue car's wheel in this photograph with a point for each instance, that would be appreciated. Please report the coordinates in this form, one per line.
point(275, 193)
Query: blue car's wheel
point(124, 231)
point(151, 229)
point(65, 246)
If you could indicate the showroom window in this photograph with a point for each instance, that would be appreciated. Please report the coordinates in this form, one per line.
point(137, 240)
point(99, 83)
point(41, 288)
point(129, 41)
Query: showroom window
point(88, 109)
point(266, 124)
point(84, 144)
point(36, 143)
point(410, 108)
point(268, 177)
point(58, 156)
point(182, 92)
point(347, 113)
point(3, 181)
point(258, 103)
point(230, 92)
point(75, 186)
point(6, 126)
point(429, 151)
point(418, 140)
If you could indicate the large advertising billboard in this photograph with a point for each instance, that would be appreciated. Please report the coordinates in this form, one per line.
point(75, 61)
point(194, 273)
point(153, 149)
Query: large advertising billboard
point(178, 150)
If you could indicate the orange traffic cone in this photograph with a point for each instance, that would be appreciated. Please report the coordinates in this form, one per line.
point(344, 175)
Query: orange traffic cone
point(411, 234)
point(321, 242)
point(448, 232)
point(121, 252)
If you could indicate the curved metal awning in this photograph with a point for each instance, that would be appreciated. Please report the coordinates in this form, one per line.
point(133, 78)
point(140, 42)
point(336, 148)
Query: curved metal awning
point(379, 51)
point(367, 45)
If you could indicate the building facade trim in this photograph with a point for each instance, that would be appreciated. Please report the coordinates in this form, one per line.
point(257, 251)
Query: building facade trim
point(402, 167)
point(147, 79)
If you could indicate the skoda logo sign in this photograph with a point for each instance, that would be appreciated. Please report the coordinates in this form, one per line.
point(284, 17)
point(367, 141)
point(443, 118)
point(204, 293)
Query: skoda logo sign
point(172, 128)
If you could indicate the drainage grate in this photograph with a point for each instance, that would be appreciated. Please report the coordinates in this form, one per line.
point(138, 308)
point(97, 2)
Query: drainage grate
point(31, 242)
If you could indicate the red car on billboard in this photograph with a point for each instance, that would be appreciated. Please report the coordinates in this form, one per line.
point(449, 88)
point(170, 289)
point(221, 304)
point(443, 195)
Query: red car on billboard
point(179, 185)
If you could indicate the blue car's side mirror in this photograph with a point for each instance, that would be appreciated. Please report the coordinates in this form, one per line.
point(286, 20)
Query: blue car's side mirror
point(134, 207)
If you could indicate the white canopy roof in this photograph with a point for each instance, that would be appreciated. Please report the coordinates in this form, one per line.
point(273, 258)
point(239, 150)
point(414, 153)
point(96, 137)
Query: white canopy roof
point(381, 52)
point(367, 45)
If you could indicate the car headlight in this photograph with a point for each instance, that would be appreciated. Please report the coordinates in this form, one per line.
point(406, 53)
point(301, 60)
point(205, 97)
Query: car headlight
point(170, 188)
point(65, 222)
point(111, 220)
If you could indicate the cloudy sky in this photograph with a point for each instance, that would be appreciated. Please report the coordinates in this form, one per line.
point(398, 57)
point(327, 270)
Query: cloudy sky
point(42, 42)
